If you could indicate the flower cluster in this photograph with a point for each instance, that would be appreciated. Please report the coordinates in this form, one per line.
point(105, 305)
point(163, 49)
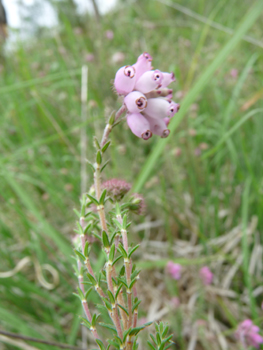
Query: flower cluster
point(146, 97)
point(247, 334)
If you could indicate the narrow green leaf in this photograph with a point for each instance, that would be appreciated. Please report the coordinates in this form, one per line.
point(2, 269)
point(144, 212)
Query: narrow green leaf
point(118, 291)
point(107, 304)
point(123, 308)
point(88, 293)
point(111, 297)
point(80, 255)
point(150, 345)
point(92, 279)
point(77, 213)
point(99, 158)
point(135, 274)
point(116, 222)
point(93, 199)
point(165, 331)
point(91, 166)
point(81, 294)
point(105, 239)
point(133, 250)
point(135, 306)
point(123, 282)
point(125, 335)
point(96, 143)
point(132, 283)
point(112, 252)
point(93, 321)
point(117, 259)
point(86, 249)
point(158, 338)
point(153, 339)
point(168, 338)
point(105, 147)
point(85, 322)
point(102, 197)
point(108, 326)
point(136, 330)
point(122, 251)
point(168, 346)
point(104, 165)
point(101, 345)
point(124, 221)
point(119, 340)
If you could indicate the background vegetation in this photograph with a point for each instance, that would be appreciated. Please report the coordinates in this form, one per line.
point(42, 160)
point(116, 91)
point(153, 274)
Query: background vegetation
point(203, 185)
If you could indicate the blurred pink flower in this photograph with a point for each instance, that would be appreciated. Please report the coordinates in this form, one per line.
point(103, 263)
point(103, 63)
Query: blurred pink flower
point(175, 302)
point(206, 275)
point(174, 270)
point(234, 73)
point(247, 334)
point(89, 57)
point(109, 34)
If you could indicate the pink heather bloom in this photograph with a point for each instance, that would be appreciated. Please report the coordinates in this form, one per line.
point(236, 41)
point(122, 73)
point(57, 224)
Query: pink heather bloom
point(234, 73)
point(149, 81)
point(206, 275)
point(174, 270)
point(109, 34)
point(146, 97)
point(135, 102)
point(247, 334)
point(89, 57)
point(116, 188)
point(139, 125)
point(175, 302)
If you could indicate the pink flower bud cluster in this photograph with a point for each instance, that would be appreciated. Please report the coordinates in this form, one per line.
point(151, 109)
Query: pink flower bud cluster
point(206, 275)
point(137, 83)
point(247, 334)
point(116, 188)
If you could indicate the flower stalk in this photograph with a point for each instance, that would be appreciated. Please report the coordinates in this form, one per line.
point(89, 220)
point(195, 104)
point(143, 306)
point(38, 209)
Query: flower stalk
point(116, 282)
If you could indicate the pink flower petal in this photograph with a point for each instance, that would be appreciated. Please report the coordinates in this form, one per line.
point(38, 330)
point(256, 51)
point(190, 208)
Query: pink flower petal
point(149, 81)
point(158, 126)
point(160, 108)
point(139, 125)
point(143, 64)
point(168, 78)
point(135, 102)
point(124, 80)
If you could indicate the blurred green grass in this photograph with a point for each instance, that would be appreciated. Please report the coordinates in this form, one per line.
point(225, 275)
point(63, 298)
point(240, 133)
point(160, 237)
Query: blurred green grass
point(39, 150)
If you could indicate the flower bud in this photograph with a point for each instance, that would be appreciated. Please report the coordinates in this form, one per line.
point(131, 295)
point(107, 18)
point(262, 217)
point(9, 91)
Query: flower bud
point(124, 80)
point(139, 125)
point(149, 81)
point(135, 102)
point(168, 78)
point(160, 108)
point(143, 64)
point(158, 126)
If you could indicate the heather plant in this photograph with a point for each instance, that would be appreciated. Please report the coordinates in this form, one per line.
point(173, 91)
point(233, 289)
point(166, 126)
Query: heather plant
point(104, 216)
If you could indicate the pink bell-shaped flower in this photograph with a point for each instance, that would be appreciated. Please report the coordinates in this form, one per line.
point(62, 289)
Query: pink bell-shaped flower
point(139, 125)
point(143, 64)
point(158, 126)
point(160, 108)
point(149, 81)
point(168, 78)
point(124, 80)
point(135, 102)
